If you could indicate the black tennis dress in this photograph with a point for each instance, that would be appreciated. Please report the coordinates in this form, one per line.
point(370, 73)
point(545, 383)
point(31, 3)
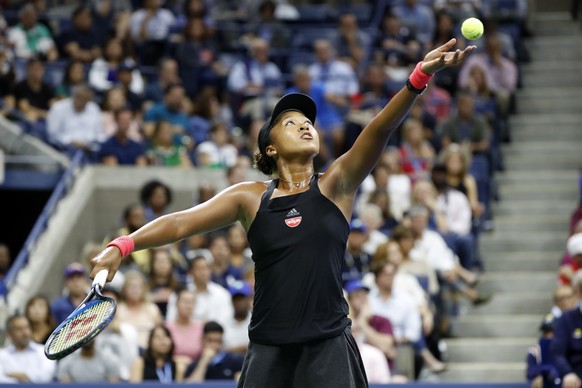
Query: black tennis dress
point(299, 333)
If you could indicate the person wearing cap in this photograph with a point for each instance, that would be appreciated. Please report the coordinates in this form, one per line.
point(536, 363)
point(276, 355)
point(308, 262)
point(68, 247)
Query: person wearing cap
point(566, 347)
point(297, 226)
point(540, 372)
point(356, 261)
point(74, 292)
point(236, 332)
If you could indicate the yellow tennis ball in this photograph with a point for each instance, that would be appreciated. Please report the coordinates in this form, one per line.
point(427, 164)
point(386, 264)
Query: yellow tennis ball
point(472, 29)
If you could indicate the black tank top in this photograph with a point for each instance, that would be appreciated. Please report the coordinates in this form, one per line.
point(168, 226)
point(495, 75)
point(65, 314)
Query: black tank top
point(298, 243)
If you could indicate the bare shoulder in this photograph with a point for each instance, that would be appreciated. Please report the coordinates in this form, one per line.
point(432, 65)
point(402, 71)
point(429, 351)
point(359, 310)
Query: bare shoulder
point(249, 197)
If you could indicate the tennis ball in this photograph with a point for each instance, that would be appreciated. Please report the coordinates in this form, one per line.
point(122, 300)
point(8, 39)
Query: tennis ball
point(472, 29)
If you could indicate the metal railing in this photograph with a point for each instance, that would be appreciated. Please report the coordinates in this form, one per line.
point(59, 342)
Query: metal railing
point(41, 223)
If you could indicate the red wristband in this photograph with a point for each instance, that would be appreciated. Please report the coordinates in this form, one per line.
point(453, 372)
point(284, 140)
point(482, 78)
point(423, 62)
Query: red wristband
point(124, 244)
point(418, 78)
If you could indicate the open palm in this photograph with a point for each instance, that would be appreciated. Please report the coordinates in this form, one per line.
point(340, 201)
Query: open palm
point(441, 57)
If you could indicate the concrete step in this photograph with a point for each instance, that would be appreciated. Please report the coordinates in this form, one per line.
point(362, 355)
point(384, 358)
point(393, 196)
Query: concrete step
point(546, 176)
point(511, 242)
point(516, 303)
point(502, 372)
point(555, 79)
point(526, 148)
point(543, 120)
point(534, 261)
point(488, 350)
point(549, 105)
point(537, 191)
point(531, 223)
point(535, 207)
point(498, 326)
point(549, 65)
point(500, 282)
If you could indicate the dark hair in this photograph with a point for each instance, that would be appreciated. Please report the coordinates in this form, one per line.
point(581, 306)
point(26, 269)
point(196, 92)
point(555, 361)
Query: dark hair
point(148, 353)
point(148, 189)
point(128, 209)
point(171, 281)
point(264, 163)
point(49, 318)
point(379, 266)
point(67, 74)
point(213, 327)
point(401, 232)
point(80, 9)
point(118, 112)
point(195, 259)
point(168, 89)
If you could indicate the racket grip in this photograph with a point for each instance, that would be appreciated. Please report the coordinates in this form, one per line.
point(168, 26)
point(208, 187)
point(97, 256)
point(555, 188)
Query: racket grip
point(101, 278)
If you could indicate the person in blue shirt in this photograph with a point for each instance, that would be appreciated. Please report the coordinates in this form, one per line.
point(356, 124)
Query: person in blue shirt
point(541, 372)
point(76, 286)
point(215, 363)
point(171, 109)
point(119, 149)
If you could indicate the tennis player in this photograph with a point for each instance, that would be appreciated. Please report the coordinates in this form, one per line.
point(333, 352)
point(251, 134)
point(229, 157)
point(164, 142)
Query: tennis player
point(297, 227)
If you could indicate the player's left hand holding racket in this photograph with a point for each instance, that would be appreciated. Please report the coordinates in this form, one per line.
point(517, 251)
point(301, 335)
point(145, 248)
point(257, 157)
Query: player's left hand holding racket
point(90, 318)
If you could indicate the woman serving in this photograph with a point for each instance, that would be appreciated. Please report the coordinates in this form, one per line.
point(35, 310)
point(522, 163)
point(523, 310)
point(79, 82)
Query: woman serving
point(297, 227)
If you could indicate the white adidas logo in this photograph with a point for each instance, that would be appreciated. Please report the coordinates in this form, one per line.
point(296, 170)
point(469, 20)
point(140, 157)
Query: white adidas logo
point(293, 213)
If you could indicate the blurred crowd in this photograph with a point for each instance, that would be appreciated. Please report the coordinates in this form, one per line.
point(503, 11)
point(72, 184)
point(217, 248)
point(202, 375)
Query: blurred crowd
point(188, 84)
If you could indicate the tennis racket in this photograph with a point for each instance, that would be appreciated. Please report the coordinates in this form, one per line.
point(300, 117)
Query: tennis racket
point(90, 318)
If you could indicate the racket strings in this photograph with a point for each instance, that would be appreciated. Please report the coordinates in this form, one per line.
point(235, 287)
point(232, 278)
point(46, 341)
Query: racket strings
point(81, 326)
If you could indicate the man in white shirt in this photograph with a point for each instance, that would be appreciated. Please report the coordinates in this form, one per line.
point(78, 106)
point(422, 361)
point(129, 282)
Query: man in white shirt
point(256, 82)
point(23, 361)
point(76, 121)
point(236, 329)
point(213, 302)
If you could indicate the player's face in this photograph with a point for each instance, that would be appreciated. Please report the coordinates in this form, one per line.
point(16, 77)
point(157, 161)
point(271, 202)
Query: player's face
point(294, 135)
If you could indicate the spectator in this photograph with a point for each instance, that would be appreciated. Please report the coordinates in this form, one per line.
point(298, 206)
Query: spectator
point(418, 18)
point(223, 272)
point(75, 122)
point(416, 153)
point(540, 371)
point(89, 365)
point(236, 329)
point(255, 83)
point(162, 279)
point(566, 353)
point(351, 42)
point(103, 73)
point(375, 91)
point(265, 25)
point(158, 362)
point(74, 76)
point(374, 329)
point(451, 203)
point(119, 339)
point(458, 162)
point(240, 253)
point(569, 269)
point(119, 149)
point(213, 302)
point(500, 72)
point(485, 97)
point(81, 42)
point(465, 126)
point(564, 300)
point(166, 149)
point(125, 76)
point(114, 100)
point(74, 292)
point(371, 216)
point(150, 30)
point(396, 46)
point(445, 27)
point(5, 260)
point(381, 199)
point(206, 111)
point(215, 363)
point(33, 96)
point(135, 308)
point(171, 110)
point(111, 18)
point(133, 218)
point(167, 75)
point(197, 57)
point(377, 370)
point(7, 83)
point(39, 314)
point(218, 151)
point(31, 38)
point(186, 332)
point(356, 261)
point(197, 9)
point(23, 361)
point(340, 84)
point(155, 197)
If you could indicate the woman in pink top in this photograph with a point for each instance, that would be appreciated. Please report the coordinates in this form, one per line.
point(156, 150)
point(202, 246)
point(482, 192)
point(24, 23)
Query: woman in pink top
point(186, 332)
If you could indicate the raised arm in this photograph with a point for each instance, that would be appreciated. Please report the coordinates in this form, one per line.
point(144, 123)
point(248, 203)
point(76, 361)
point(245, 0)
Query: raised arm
point(228, 206)
point(357, 163)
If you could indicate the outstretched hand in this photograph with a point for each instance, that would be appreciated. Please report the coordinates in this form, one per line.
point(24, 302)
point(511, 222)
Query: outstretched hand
point(441, 57)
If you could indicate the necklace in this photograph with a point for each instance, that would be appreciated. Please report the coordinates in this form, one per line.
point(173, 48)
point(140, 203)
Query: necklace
point(297, 184)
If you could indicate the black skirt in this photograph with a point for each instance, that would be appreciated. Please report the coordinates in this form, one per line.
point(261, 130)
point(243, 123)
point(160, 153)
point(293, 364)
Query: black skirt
point(333, 362)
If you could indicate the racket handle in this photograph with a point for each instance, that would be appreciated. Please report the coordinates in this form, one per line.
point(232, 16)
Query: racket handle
point(101, 278)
